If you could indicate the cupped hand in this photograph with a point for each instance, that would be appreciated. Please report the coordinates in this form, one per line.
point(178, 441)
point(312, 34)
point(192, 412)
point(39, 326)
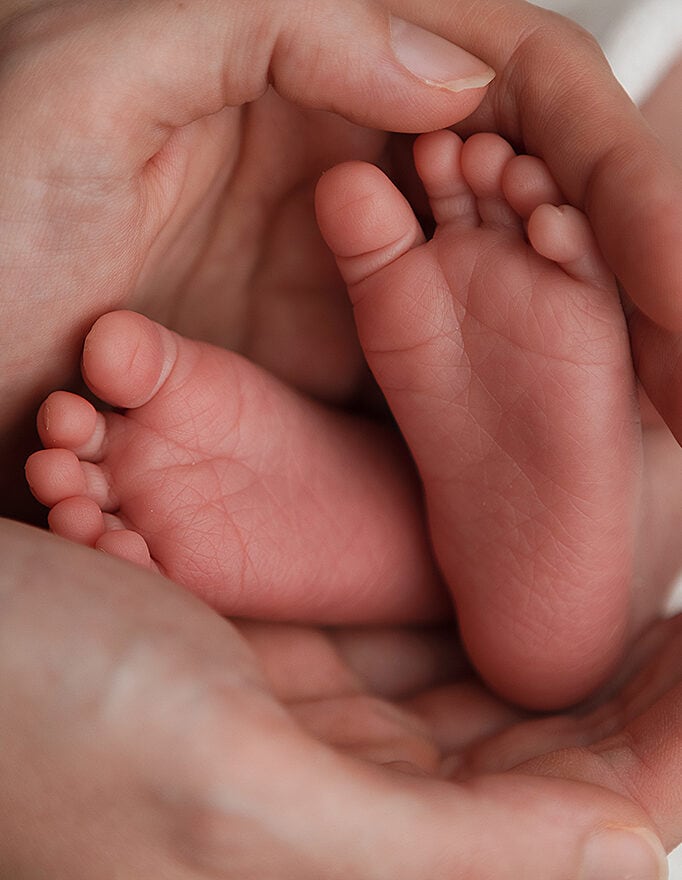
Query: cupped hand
point(554, 96)
point(175, 747)
point(407, 700)
point(162, 155)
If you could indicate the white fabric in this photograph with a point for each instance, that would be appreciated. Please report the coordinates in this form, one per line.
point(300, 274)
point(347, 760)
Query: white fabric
point(641, 38)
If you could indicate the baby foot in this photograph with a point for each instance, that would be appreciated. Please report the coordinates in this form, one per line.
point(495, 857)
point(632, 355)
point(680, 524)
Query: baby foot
point(502, 349)
point(253, 496)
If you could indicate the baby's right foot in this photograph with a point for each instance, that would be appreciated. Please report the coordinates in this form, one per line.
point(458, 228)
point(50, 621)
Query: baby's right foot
point(255, 497)
point(507, 366)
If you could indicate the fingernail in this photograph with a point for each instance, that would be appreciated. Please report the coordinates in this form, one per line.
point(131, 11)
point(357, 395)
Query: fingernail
point(624, 854)
point(435, 60)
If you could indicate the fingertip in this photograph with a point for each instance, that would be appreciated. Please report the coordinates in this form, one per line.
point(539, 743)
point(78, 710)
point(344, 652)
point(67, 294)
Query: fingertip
point(435, 60)
point(378, 71)
point(614, 853)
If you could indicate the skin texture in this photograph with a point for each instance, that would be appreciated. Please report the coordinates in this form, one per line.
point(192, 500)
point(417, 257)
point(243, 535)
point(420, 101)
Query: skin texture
point(256, 498)
point(108, 152)
point(183, 204)
point(209, 751)
point(506, 362)
point(267, 504)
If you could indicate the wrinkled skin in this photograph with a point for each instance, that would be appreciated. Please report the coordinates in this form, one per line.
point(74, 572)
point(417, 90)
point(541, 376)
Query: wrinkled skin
point(286, 752)
point(166, 203)
point(142, 180)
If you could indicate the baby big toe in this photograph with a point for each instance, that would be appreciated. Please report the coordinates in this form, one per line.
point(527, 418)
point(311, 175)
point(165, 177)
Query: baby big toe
point(365, 221)
point(126, 358)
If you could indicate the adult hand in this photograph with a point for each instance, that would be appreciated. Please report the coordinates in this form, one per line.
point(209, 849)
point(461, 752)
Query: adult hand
point(555, 96)
point(166, 752)
point(146, 162)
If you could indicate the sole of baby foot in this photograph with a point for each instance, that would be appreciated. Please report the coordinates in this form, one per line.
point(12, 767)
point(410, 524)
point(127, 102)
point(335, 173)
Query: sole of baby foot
point(252, 495)
point(507, 366)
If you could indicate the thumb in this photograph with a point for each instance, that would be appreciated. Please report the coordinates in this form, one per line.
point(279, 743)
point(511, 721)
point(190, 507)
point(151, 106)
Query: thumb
point(376, 69)
point(161, 63)
point(386, 824)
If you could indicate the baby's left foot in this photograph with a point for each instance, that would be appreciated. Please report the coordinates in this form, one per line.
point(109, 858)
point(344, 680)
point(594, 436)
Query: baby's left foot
point(255, 497)
point(504, 356)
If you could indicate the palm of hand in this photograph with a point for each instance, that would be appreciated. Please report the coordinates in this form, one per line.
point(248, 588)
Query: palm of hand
point(168, 732)
point(408, 700)
point(208, 228)
point(234, 255)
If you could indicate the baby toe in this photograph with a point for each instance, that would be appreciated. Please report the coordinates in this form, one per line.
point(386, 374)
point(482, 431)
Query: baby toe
point(127, 358)
point(528, 183)
point(54, 475)
point(564, 235)
point(438, 159)
point(77, 519)
point(485, 157)
point(98, 487)
point(68, 421)
point(365, 221)
point(128, 545)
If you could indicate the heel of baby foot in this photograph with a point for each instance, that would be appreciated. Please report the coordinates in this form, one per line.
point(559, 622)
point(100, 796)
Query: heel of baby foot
point(127, 358)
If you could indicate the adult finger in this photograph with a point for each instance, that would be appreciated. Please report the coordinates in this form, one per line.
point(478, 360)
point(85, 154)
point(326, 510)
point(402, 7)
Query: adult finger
point(639, 754)
point(556, 96)
point(644, 758)
point(657, 355)
point(291, 809)
point(132, 713)
point(144, 67)
point(335, 813)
